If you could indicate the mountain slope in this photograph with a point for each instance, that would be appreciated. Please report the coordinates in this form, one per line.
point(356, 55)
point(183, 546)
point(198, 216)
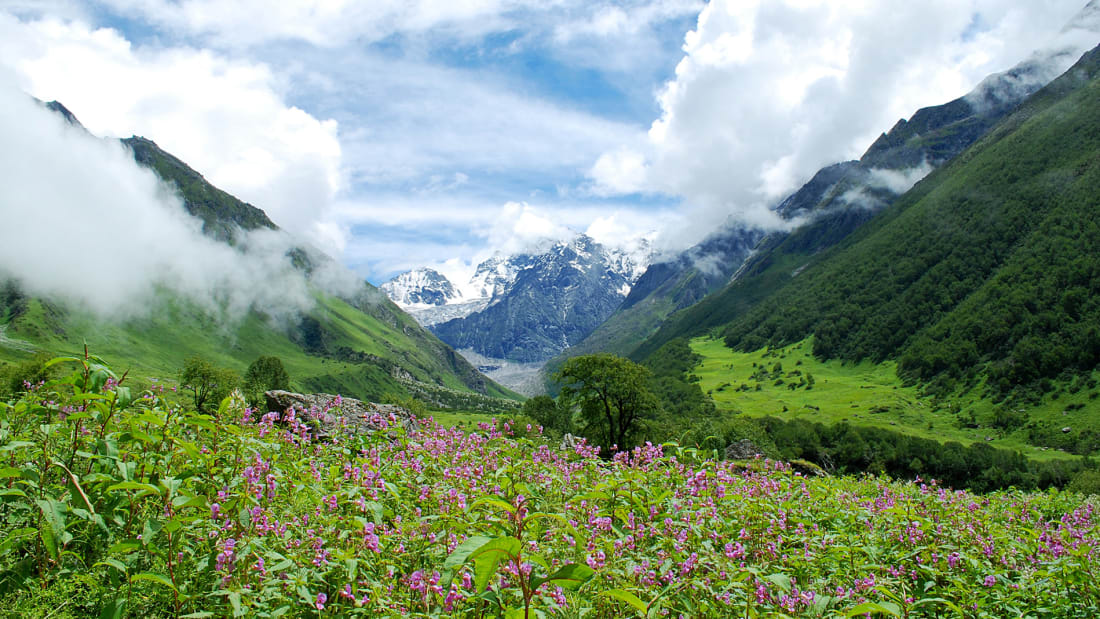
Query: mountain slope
point(987, 269)
point(841, 198)
point(357, 342)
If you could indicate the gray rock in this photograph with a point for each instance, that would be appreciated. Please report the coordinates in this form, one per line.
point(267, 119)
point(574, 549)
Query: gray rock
point(1066, 430)
point(742, 450)
point(568, 442)
point(325, 412)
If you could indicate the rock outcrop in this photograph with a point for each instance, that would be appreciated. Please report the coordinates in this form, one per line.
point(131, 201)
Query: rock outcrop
point(325, 412)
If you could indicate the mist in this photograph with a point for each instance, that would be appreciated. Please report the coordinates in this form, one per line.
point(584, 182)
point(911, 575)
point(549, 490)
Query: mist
point(87, 226)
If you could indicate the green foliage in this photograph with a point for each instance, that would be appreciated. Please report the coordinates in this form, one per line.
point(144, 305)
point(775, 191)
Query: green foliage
point(611, 395)
point(1086, 482)
point(717, 434)
point(15, 377)
point(207, 383)
point(555, 417)
point(264, 374)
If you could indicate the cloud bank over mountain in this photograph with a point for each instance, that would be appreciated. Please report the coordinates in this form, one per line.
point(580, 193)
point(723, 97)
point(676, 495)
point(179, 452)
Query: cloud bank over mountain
point(770, 91)
point(85, 224)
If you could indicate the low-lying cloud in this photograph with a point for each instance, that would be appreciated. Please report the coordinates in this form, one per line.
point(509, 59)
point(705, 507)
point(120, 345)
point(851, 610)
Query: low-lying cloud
point(226, 116)
point(84, 224)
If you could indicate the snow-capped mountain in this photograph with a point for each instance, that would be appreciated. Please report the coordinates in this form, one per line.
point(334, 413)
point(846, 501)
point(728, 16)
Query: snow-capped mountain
point(421, 288)
point(543, 303)
point(524, 307)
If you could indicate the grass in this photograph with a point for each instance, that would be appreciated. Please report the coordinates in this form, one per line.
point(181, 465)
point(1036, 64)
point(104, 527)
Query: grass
point(465, 420)
point(865, 394)
point(157, 344)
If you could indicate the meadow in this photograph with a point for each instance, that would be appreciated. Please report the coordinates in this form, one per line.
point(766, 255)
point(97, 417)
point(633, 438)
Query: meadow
point(871, 394)
point(115, 503)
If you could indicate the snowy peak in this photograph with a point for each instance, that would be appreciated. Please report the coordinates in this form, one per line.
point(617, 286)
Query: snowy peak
point(421, 288)
point(527, 306)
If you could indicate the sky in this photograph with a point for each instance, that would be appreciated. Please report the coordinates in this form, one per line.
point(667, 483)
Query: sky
point(394, 134)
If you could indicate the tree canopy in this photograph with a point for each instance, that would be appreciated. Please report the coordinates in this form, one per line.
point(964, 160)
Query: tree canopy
point(265, 374)
point(611, 395)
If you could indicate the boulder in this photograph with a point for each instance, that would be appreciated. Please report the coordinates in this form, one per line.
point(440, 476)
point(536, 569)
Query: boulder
point(742, 450)
point(568, 442)
point(325, 412)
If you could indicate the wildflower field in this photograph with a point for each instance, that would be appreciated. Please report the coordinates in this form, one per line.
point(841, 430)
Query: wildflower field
point(115, 503)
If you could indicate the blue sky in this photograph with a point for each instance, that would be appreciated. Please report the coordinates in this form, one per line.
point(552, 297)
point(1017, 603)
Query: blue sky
point(397, 134)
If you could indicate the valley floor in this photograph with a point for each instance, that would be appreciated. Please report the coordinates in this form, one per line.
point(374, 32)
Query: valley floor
point(777, 383)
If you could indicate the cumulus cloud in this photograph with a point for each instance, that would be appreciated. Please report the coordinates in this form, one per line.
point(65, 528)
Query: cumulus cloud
point(227, 118)
point(85, 224)
point(769, 91)
point(520, 227)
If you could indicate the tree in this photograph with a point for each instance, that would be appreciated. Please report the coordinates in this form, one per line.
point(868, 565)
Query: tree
point(550, 414)
point(265, 374)
point(611, 393)
point(207, 382)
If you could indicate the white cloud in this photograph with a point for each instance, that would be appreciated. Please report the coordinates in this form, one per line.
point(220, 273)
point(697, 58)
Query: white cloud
point(224, 117)
point(521, 227)
point(899, 181)
point(407, 122)
point(86, 225)
point(621, 171)
point(319, 22)
point(769, 91)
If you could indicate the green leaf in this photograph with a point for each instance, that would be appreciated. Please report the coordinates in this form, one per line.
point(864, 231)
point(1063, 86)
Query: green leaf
point(488, 557)
point(124, 547)
point(567, 577)
point(12, 446)
point(154, 577)
point(235, 601)
point(53, 525)
point(48, 539)
point(116, 609)
point(463, 551)
point(115, 563)
point(780, 580)
point(135, 485)
point(150, 530)
point(10, 472)
point(888, 608)
point(499, 504)
point(947, 603)
point(123, 397)
point(625, 596)
point(16, 538)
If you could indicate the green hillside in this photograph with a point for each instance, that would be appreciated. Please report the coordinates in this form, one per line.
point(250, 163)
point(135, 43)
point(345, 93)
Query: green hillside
point(1013, 211)
point(360, 355)
point(966, 311)
point(361, 345)
point(988, 268)
point(790, 383)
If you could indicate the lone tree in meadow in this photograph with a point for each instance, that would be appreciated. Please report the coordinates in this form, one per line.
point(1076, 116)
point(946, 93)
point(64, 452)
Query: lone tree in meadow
point(611, 393)
point(265, 374)
point(208, 383)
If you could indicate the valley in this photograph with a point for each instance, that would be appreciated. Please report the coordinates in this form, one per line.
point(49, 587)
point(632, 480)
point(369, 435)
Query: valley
point(638, 309)
point(869, 394)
